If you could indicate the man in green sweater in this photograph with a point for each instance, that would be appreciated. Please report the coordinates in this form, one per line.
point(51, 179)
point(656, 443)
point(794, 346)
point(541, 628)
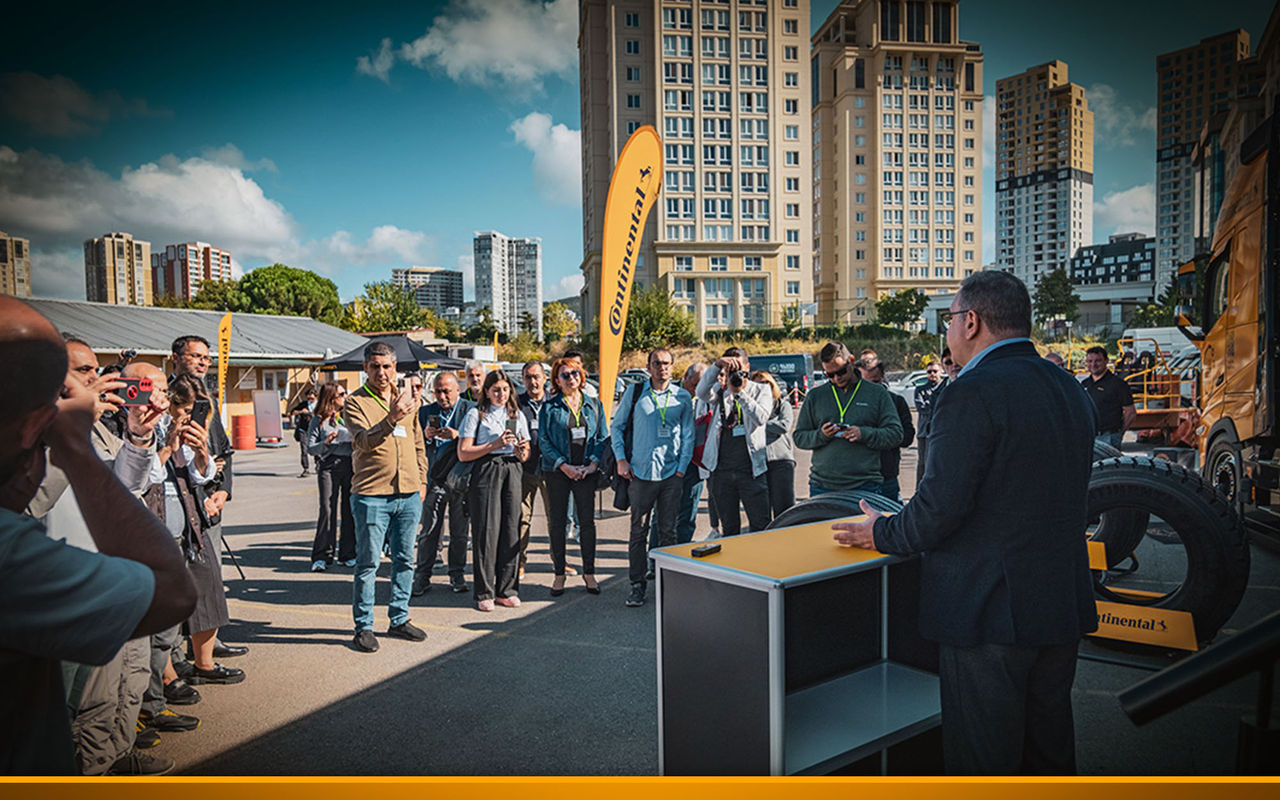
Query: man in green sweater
point(846, 424)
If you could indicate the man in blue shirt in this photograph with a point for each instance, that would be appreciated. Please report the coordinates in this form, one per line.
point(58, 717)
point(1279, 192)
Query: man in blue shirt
point(652, 436)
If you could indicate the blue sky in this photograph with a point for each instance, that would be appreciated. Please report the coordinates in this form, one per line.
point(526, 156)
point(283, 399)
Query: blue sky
point(351, 139)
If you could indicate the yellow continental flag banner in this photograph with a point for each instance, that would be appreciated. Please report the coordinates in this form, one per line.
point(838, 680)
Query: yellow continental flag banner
point(224, 358)
point(636, 179)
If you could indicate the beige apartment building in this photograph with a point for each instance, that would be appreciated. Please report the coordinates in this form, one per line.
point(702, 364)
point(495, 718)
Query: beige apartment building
point(897, 154)
point(1044, 172)
point(15, 265)
point(117, 270)
point(179, 269)
point(1194, 85)
point(726, 85)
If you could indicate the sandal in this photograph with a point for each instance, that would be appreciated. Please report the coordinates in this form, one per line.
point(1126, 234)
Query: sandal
point(592, 586)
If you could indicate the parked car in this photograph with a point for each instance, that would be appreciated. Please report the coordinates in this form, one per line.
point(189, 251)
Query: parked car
point(906, 386)
point(791, 370)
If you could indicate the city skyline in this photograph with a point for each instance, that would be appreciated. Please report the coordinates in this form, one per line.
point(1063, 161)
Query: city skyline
point(353, 145)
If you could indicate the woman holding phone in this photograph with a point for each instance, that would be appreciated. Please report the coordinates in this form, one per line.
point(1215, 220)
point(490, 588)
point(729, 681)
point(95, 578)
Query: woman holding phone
point(571, 434)
point(330, 442)
point(780, 456)
point(495, 435)
point(188, 468)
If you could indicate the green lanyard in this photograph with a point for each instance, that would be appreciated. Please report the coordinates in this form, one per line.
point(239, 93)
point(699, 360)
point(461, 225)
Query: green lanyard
point(577, 415)
point(845, 407)
point(369, 391)
point(662, 410)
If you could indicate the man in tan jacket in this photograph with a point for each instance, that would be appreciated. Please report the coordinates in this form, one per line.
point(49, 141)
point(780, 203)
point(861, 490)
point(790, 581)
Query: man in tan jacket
point(389, 481)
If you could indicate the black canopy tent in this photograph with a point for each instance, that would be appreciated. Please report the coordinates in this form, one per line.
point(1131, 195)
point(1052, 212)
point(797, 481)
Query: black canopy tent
point(410, 357)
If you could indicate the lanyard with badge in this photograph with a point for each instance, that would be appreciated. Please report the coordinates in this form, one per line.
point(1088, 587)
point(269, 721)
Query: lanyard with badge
point(399, 432)
point(577, 430)
point(738, 419)
point(845, 407)
point(664, 432)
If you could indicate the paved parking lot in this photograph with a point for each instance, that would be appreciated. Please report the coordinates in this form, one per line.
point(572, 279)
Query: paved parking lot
point(560, 686)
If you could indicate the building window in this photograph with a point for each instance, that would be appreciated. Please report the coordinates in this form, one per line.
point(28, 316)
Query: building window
point(719, 263)
point(791, 79)
point(790, 26)
point(793, 288)
point(633, 20)
point(633, 73)
point(633, 101)
point(791, 106)
point(633, 47)
point(790, 53)
point(632, 127)
point(793, 158)
point(684, 264)
point(793, 236)
point(793, 261)
point(751, 263)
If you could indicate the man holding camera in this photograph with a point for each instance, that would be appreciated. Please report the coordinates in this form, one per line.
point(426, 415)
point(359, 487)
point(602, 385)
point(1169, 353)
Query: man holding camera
point(846, 424)
point(440, 422)
point(388, 488)
point(735, 450)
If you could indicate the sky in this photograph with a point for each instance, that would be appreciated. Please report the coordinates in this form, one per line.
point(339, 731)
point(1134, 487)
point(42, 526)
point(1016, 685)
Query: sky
point(353, 138)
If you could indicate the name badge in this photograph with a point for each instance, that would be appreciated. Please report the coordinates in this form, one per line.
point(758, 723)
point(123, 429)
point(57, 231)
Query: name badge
point(533, 424)
point(579, 434)
point(666, 432)
point(400, 432)
point(739, 430)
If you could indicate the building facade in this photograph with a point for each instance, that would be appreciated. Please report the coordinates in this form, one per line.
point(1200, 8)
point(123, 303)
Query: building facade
point(434, 288)
point(117, 270)
point(1044, 171)
point(1194, 84)
point(509, 280)
point(1127, 258)
point(15, 265)
point(897, 154)
point(726, 86)
point(179, 270)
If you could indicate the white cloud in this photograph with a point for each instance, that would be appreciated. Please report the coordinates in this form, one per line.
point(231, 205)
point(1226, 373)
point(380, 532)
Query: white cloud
point(1117, 124)
point(557, 157)
point(378, 64)
point(231, 156)
point(568, 286)
point(58, 106)
point(58, 204)
point(988, 131)
point(491, 42)
point(1125, 211)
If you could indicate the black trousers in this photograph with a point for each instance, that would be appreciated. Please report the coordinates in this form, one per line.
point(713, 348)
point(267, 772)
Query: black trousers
point(782, 486)
point(729, 488)
point(1006, 710)
point(333, 475)
point(439, 500)
point(646, 497)
point(494, 503)
point(560, 489)
point(306, 463)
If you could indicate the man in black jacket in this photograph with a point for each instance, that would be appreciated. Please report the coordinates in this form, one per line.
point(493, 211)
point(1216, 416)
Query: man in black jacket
point(999, 517)
point(440, 422)
point(891, 459)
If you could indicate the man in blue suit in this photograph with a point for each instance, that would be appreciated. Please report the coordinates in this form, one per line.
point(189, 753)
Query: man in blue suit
point(999, 518)
point(440, 422)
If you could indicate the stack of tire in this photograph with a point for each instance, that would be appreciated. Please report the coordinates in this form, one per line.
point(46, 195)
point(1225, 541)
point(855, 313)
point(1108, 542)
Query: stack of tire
point(1124, 492)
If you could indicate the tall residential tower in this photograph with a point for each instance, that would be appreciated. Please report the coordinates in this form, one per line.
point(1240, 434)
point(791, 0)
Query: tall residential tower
point(15, 265)
point(117, 270)
point(1044, 172)
point(726, 86)
point(897, 159)
point(509, 280)
point(179, 270)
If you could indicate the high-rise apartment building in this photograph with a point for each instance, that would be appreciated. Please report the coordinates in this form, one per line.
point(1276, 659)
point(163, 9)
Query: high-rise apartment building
point(1044, 172)
point(15, 265)
point(1127, 258)
point(117, 269)
point(509, 280)
point(726, 86)
point(435, 288)
point(1194, 84)
point(179, 270)
point(897, 154)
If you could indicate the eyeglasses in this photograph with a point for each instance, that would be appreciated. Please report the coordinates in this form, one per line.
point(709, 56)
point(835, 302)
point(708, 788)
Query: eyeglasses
point(196, 356)
point(933, 371)
point(569, 374)
point(838, 373)
point(948, 363)
point(945, 317)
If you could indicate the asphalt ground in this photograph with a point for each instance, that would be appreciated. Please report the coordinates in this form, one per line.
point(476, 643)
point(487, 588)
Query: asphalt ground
point(559, 686)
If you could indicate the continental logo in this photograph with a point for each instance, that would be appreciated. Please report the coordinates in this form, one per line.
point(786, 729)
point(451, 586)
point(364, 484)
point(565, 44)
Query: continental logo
point(1148, 624)
point(625, 274)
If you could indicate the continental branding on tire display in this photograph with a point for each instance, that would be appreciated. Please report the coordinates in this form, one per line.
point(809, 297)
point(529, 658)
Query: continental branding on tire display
point(632, 191)
point(1138, 623)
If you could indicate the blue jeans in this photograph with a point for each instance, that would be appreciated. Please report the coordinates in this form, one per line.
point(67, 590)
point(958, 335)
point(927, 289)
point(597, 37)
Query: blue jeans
point(687, 516)
point(891, 489)
point(392, 519)
point(1113, 439)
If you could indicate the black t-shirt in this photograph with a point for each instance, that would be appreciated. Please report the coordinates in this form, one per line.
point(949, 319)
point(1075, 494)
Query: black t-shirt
point(1110, 394)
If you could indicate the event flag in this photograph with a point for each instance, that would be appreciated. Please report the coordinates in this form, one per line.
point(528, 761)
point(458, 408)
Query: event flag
point(224, 362)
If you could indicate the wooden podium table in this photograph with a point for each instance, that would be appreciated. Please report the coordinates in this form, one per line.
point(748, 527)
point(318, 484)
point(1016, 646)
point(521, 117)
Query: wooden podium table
point(787, 654)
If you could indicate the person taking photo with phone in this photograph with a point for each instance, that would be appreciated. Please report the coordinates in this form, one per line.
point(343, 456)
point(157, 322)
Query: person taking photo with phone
point(735, 450)
point(329, 440)
point(846, 424)
point(495, 436)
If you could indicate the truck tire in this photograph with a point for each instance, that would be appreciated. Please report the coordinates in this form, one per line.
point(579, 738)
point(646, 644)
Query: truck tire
point(1217, 551)
point(1222, 469)
point(833, 505)
point(1121, 529)
point(1103, 450)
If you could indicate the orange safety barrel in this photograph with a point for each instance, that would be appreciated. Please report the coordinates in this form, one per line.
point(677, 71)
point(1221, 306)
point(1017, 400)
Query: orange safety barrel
point(244, 432)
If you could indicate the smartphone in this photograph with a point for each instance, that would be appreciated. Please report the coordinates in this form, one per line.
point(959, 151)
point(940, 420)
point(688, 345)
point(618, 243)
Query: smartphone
point(704, 550)
point(513, 425)
point(200, 412)
point(433, 421)
point(403, 382)
point(135, 392)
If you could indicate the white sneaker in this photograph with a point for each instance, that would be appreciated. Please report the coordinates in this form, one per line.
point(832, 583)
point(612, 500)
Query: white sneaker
point(317, 566)
point(714, 534)
point(350, 562)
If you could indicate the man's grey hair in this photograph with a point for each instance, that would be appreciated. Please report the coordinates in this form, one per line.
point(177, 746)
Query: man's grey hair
point(443, 376)
point(999, 299)
point(473, 364)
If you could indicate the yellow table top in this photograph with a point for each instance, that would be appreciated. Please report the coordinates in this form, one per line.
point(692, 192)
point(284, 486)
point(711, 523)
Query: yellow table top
point(781, 553)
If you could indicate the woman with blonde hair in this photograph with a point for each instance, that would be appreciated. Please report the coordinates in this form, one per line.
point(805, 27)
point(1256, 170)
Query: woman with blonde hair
point(779, 450)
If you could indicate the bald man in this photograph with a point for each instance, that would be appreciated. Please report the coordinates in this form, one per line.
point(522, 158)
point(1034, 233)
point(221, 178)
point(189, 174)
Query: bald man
point(71, 604)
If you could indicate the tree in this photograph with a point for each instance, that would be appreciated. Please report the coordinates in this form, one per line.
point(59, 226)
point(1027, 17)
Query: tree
point(654, 320)
point(483, 331)
point(791, 319)
point(557, 322)
point(1162, 313)
point(528, 322)
point(445, 329)
point(219, 296)
point(279, 289)
point(902, 307)
point(1055, 298)
point(384, 307)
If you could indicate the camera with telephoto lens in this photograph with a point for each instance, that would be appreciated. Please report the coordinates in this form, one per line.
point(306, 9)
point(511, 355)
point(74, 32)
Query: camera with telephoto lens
point(738, 379)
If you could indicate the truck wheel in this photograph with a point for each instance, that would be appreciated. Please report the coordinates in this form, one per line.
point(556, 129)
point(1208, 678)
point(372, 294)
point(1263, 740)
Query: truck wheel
point(1122, 529)
point(1103, 450)
point(833, 505)
point(1222, 470)
point(1196, 517)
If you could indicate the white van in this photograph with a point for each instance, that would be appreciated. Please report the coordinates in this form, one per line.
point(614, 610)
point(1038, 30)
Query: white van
point(1170, 341)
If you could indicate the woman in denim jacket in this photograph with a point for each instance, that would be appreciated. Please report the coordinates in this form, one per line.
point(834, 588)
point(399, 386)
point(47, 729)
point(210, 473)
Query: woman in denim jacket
point(571, 434)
